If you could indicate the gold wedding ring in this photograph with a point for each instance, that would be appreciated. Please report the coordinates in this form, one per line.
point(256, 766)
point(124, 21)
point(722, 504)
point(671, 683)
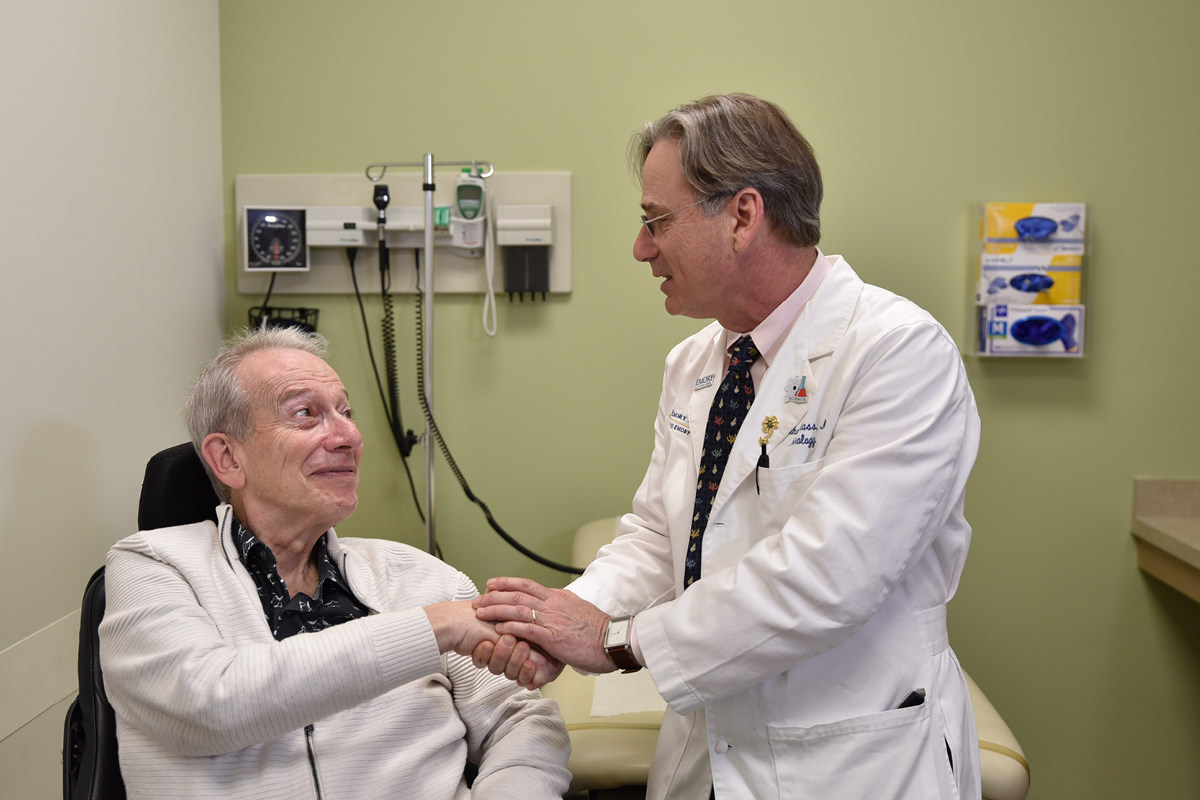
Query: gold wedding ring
point(532, 616)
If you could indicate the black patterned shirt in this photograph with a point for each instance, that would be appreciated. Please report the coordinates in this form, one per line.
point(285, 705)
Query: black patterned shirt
point(289, 614)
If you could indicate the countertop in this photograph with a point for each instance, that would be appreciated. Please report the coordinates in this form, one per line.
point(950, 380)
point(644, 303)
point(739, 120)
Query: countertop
point(1166, 525)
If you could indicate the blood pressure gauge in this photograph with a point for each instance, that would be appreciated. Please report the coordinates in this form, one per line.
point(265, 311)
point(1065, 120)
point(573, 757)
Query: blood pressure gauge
point(275, 239)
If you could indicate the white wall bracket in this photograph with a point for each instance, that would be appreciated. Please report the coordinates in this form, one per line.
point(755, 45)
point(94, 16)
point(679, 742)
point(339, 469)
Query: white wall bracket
point(532, 208)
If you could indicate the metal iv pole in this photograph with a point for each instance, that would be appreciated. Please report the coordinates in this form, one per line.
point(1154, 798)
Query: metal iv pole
point(426, 289)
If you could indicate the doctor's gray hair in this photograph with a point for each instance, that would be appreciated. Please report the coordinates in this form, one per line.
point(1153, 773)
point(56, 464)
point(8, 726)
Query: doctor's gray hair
point(730, 142)
point(220, 403)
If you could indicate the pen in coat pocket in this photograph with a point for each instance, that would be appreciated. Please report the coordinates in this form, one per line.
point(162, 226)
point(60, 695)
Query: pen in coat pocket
point(915, 698)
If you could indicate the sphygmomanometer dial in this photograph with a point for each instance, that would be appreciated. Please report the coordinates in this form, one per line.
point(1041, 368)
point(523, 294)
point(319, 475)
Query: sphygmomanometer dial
point(275, 239)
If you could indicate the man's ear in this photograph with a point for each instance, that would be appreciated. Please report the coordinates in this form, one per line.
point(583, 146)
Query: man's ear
point(218, 451)
point(749, 217)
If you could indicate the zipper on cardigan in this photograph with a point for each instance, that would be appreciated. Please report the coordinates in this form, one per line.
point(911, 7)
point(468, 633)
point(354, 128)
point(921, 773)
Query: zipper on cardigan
point(312, 760)
point(221, 528)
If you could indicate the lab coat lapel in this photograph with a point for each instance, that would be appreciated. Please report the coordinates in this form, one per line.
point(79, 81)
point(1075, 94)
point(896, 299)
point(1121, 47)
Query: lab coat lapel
point(776, 391)
point(703, 393)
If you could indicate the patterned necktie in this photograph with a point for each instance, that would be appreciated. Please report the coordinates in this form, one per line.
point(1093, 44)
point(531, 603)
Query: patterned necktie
point(729, 407)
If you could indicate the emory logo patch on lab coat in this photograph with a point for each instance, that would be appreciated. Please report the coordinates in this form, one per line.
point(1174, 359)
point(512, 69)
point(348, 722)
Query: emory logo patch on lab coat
point(679, 423)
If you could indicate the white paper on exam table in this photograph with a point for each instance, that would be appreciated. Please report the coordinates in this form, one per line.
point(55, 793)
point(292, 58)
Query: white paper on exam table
point(617, 693)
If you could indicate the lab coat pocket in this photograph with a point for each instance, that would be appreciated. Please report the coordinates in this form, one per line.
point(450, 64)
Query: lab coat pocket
point(780, 490)
point(886, 756)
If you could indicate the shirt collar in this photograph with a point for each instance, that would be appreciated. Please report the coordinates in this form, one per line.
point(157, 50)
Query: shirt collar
point(257, 557)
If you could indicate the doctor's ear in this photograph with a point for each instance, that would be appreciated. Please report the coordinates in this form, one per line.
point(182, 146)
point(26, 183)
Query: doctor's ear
point(749, 217)
point(220, 453)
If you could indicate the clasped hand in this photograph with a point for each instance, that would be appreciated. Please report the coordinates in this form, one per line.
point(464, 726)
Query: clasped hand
point(533, 621)
point(457, 628)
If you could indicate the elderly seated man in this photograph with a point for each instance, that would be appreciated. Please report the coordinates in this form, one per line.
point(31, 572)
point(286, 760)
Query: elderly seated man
point(216, 692)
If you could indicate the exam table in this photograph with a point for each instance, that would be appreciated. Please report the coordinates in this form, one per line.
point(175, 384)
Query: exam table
point(610, 755)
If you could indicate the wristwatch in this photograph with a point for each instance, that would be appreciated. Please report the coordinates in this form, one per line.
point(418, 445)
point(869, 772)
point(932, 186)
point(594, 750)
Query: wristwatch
point(616, 644)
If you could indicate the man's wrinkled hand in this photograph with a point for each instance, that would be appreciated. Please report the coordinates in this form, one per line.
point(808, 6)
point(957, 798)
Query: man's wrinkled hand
point(518, 661)
point(565, 627)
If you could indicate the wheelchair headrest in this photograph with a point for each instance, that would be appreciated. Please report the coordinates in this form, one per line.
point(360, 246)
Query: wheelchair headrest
point(176, 490)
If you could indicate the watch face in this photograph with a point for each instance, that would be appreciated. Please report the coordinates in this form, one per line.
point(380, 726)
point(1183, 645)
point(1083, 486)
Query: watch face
point(618, 633)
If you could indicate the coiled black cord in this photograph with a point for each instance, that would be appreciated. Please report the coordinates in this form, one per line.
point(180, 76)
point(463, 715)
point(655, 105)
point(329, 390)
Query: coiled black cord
point(462, 481)
point(392, 410)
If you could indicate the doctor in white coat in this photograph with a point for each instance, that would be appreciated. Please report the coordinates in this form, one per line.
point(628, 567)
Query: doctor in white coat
point(810, 659)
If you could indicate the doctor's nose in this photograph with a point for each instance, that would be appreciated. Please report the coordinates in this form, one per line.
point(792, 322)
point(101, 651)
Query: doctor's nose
point(644, 246)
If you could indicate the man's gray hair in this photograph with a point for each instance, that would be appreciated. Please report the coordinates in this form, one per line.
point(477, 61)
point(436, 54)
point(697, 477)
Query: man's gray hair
point(219, 403)
point(730, 142)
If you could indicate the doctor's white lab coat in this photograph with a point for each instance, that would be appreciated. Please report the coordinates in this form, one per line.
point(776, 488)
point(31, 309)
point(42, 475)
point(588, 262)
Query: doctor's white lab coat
point(825, 576)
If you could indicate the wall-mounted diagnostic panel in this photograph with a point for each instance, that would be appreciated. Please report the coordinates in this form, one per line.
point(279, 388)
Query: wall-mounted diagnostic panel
point(303, 224)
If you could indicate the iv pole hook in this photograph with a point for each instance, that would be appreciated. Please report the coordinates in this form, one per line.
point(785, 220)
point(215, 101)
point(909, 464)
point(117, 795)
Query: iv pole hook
point(483, 168)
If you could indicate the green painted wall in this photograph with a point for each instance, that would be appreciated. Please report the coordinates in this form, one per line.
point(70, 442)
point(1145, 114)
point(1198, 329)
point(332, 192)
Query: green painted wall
point(919, 112)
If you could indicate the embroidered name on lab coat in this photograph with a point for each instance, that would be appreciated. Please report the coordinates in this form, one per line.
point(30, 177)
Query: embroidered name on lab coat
point(801, 434)
point(679, 423)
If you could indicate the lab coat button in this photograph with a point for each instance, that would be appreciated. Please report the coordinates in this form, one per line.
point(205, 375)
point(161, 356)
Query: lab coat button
point(721, 747)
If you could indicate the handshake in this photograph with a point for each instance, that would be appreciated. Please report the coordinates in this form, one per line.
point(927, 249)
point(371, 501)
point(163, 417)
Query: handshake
point(524, 631)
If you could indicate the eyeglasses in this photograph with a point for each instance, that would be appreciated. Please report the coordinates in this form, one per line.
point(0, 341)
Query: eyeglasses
point(649, 223)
